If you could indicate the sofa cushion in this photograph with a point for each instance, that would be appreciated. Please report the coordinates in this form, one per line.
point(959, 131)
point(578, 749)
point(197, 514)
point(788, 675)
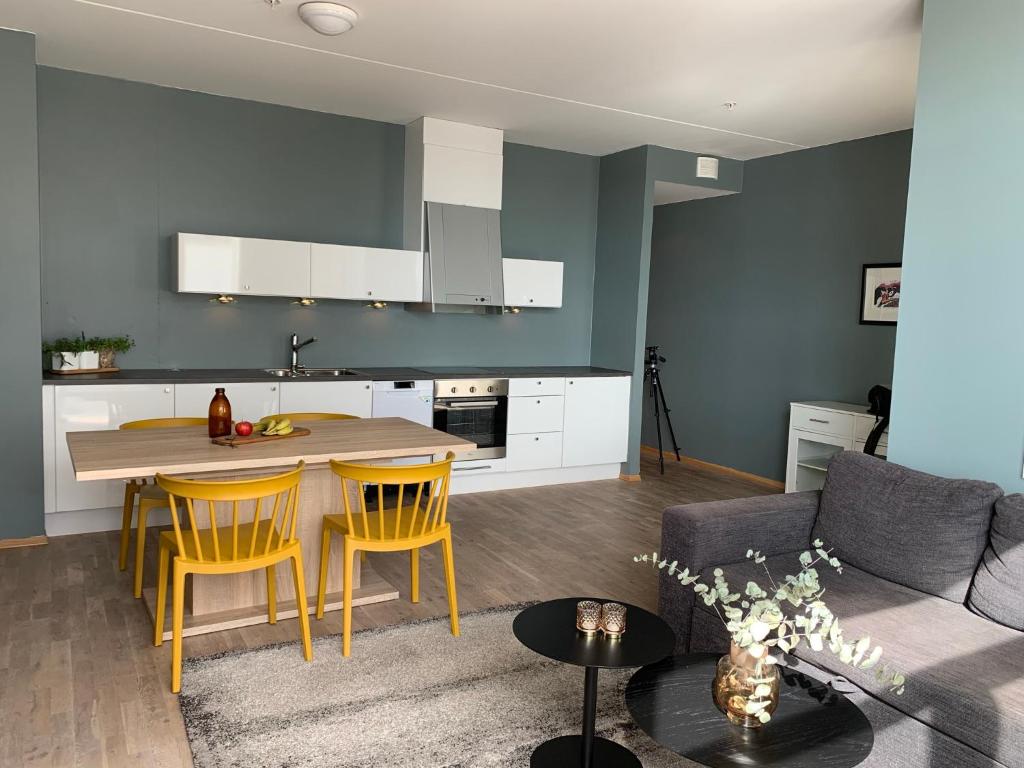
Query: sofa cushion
point(919, 530)
point(965, 674)
point(998, 589)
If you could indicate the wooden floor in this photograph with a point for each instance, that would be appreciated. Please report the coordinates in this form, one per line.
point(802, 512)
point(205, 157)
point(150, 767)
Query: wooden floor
point(82, 684)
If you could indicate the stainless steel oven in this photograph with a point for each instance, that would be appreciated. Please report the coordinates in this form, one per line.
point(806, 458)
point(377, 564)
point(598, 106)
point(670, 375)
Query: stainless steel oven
point(476, 410)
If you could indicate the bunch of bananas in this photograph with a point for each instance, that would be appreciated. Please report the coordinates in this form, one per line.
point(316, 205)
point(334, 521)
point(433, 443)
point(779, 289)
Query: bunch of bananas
point(270, 427)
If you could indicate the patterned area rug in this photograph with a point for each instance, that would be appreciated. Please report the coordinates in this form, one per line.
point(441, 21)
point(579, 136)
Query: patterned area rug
point(410, 696)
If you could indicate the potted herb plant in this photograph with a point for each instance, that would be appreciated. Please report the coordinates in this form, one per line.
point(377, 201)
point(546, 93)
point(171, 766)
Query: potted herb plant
point(71, 354)
point(109, 348)
point(764, 623)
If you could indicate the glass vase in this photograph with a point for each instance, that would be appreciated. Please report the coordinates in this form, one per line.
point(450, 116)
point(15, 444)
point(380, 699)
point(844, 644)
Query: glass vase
point(739, 678)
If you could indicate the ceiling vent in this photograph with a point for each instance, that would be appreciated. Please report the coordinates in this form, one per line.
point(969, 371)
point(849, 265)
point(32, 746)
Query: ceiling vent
point(707, 167)
point(328, 18)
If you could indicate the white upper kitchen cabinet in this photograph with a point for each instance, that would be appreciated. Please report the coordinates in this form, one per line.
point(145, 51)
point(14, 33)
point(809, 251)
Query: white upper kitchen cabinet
point(596, 421)
point(249, 401)
point(532, 283)
point(218, 264)
point(367, 274)
point(352, 397)
point(95, 407)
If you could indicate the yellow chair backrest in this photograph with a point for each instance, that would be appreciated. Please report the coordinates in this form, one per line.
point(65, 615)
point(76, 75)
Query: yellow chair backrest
point(428, 495)
point(184, 421)
point(265, 532)
point(313, 416)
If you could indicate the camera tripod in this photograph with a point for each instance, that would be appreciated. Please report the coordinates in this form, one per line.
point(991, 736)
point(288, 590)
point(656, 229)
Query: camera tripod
point(657, 394)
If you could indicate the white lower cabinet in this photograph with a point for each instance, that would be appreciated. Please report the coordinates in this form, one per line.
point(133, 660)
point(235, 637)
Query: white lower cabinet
point(533, 451)
point(596, 425)
point(249, 401)
point(351, 397)
point(49, 452)
point(97, 407)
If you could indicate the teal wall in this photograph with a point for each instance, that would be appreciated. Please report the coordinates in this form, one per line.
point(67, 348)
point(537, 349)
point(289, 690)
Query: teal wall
point(623, 259)
point(21, 459)
point(958, 406)
point(123, 166)
point(754, 297)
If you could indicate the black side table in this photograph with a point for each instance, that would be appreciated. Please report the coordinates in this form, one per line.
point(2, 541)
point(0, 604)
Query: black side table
point(814, 725)
point(550, 630)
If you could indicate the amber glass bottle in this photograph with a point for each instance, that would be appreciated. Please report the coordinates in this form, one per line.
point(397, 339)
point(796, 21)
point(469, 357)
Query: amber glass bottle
point(220, 414)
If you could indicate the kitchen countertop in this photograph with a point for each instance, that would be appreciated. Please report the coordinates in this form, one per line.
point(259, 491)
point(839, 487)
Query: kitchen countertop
point(244, 375)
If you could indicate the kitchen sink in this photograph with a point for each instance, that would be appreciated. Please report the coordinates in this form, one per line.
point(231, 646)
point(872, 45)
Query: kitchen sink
point(305, 373)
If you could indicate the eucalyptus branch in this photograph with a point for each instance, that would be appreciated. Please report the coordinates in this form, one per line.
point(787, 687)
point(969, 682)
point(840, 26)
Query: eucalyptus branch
point(794, 613)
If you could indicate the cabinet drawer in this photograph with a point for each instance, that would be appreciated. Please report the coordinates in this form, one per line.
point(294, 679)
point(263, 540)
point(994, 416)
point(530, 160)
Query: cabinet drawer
point(537, 451)
point(475, 467)
point(826, 422)
point(537, 386)
point(863, 428)
point(881, 450)
point(527, 415)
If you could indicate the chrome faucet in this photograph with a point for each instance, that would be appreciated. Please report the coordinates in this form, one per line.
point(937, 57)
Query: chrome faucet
point(296, 346)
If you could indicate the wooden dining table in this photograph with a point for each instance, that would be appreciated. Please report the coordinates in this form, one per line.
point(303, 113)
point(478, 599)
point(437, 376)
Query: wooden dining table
point(223, 602)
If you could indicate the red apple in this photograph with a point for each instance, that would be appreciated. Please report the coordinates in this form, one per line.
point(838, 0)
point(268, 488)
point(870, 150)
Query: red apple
point(243, 428)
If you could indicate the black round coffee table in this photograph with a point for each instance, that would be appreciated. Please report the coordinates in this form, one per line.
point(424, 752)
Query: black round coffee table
point(550, 630)
point(814, 725)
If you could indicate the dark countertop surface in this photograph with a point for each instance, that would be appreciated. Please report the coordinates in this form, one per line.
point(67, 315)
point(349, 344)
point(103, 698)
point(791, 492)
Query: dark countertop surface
point(243, 375)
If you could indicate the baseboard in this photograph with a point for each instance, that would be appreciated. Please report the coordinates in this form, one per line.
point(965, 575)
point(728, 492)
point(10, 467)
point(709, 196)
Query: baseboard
point(30, 541)
point(699, 464)
point(629, 478)
point(504, 481)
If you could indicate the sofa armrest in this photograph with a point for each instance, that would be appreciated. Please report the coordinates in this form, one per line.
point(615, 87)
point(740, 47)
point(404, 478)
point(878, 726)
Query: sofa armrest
point(717, 533)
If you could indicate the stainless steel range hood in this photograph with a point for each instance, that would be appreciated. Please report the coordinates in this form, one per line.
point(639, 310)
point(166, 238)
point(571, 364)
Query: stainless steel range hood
point(453, 214)
point(462, 259)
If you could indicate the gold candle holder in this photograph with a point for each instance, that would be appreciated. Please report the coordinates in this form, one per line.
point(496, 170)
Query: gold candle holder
point(613, 620)
point(588, 617)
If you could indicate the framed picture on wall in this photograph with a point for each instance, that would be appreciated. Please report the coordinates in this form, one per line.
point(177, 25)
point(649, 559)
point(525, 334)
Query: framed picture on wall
point(880, 294)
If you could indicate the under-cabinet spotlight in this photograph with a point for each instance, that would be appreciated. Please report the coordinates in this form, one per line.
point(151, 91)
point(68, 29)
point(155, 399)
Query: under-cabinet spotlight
point(377, 304)
point(513, 310)
point(307, 302)
point(223, 299)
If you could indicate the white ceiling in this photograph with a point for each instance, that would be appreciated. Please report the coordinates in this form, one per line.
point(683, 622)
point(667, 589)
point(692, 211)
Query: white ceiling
point(592, 76)
point(666, 192)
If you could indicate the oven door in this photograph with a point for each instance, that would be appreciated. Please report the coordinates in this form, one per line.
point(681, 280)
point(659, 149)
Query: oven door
point(481, 420)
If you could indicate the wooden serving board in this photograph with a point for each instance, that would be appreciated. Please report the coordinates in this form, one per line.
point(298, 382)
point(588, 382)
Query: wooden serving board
point(73, 371)
point(235, 441)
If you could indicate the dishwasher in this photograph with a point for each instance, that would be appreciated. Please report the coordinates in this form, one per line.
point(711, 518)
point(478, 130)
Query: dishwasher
point(412, 400)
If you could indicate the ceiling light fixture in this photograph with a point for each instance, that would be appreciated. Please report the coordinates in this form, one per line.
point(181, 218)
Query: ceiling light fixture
point(223, 299)
point(377, 305)
point(307, 302)
point(328, 18)
point(729, 105)
point(513, 310)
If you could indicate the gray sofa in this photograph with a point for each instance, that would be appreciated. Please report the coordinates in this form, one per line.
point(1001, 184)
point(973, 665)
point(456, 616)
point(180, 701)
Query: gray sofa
point(933, 571)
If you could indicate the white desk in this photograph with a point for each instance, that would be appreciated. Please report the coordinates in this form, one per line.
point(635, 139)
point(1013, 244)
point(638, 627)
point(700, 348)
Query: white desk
point(818, 430)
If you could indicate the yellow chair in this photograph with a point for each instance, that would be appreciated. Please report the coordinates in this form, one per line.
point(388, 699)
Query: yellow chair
point(403, 527)
point(235, 548)
point(313, 416)
point(150, 497)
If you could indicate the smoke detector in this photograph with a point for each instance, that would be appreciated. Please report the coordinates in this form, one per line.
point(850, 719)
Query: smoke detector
point(328, 18)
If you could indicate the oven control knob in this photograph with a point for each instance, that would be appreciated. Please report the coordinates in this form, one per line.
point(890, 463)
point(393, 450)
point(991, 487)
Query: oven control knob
point(490, 389)
point(472, 389)
point(454, 390)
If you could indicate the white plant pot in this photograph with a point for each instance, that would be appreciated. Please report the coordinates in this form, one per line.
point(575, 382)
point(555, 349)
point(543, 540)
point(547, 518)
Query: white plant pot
point(65, 361)
point(89, 359)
